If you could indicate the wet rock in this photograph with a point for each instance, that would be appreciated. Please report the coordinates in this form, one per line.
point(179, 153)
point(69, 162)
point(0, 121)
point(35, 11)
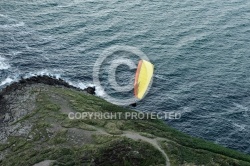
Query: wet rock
point(43, 79)
point(48, 80)
point(133, 104)
point(90, 90)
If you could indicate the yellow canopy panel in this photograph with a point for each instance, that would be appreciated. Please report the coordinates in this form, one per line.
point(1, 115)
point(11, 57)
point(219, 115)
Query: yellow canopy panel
point(143, 78)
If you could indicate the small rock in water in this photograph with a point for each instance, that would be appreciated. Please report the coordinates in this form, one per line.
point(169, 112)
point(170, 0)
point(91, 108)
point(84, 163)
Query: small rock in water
point(90, 90)
point(133, 104)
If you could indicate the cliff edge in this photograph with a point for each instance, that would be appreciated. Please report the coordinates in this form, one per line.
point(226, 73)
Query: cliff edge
point(36, 129)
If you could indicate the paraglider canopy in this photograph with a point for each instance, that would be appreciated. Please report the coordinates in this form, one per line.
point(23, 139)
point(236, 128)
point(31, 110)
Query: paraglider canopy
point(143, 78)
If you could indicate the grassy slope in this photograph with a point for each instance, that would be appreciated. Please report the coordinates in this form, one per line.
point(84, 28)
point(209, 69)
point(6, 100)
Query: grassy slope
point(105, 149)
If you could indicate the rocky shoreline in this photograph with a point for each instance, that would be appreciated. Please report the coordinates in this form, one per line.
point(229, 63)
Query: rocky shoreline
point(16, 101)
point(43, 79)
point(35, 130)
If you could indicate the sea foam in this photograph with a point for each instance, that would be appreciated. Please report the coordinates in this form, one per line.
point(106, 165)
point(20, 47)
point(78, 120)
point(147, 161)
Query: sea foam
point(3, 64)
point(8, 80)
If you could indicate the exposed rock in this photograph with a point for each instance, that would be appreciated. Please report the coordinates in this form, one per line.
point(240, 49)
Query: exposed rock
point(44, 79)
point(36, 130)
point(133, 104)
point(45, 163)
point(90, 90)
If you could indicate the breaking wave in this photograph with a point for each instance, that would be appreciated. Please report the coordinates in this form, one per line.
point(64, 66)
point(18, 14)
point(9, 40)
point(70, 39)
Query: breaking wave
point(3, 64)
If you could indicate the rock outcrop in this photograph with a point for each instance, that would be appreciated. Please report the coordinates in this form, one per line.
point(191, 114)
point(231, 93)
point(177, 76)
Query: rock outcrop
point(35, 129)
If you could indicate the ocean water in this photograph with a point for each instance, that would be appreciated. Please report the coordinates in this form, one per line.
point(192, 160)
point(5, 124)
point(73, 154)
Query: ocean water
point(200, 50)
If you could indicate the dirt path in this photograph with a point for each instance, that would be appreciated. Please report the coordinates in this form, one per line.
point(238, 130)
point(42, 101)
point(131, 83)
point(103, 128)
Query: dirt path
point(129, 134)
point(154, 142)
point(45, 163)
point(135, 136)
point(63, 103)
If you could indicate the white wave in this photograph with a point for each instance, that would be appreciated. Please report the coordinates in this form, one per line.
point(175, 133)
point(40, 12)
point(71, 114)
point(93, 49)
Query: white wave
point(242, 109)
point(54, 73)
point(7, 81)
point(184, 110)
point(3, 64)
point(15, 53)
point(161, 77)
point(99, 92)
point(11, 22)
point(7, 26)
point(239, 127)
point(43, 72)
point(79, 84)
point(16, 77)
point(76, 84)
point(2, 15)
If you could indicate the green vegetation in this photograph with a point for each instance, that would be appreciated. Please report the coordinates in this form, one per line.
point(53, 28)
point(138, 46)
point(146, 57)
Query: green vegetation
point(54, 136)
point(126, 152)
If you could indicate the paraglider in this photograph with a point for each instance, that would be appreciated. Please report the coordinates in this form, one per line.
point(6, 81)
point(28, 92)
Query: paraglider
point(143, 78)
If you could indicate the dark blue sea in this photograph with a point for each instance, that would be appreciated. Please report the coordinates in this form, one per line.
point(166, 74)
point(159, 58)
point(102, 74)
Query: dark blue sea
point(200, 50)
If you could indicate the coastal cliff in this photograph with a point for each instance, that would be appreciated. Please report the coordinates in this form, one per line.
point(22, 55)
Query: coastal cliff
point(35, 129)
